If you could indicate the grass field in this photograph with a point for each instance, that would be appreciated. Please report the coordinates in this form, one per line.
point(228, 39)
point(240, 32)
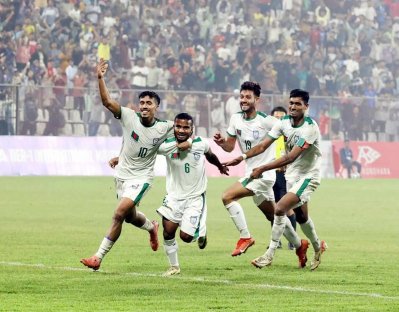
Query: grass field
point(48, 223)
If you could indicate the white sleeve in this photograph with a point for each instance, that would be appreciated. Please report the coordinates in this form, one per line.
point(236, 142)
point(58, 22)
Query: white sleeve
point(309, 136)
point(277, 130)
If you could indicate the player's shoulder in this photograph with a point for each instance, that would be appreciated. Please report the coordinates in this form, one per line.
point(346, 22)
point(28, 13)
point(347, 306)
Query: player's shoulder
point(262, 114)
point(200, 143)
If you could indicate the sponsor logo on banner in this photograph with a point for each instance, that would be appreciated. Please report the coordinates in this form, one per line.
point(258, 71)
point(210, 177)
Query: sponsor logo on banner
point(367, 155)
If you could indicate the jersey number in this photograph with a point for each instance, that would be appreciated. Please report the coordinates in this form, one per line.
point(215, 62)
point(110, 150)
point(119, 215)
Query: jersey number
point(187, 167)
point(143, 152)
point(247, 144)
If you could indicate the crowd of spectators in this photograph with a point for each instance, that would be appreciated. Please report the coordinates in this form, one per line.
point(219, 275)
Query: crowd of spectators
point(343, 49)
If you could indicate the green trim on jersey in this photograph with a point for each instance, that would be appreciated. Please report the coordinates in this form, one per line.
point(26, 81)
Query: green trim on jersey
point(286, 117)
point(197, 139)
point(170, 140)
point(160, 120)
point(303, 187)
point(231, 135)
point(301, 142)
point(140, 196)
point(262, 114)
point(196, 234)
point(249, 119)
point(245, 182)
point(309, 120)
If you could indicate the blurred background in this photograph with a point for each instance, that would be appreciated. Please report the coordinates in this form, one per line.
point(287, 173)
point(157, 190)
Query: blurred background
point(196, 54)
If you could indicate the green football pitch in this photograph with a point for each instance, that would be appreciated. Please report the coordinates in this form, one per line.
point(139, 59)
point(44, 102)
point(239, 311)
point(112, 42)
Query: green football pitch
point(48, 223)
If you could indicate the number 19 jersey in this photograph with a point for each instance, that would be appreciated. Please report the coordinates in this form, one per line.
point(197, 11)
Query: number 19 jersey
point(250, 132)
point(140, 146)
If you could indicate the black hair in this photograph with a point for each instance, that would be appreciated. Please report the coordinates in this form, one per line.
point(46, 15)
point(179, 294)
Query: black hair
point(184, 116)
point(278, 109)
point(300, 93)
point(251, 86)
point(150, 94)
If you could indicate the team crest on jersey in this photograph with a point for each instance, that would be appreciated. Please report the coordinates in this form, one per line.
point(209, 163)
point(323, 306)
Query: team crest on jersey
point(256, 134)
point(197, 156)
point(238, 132)
point(155, 141)
point(193, 220)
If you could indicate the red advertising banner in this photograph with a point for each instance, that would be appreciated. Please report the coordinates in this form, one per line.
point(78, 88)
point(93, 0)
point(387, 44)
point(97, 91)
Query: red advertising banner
point(377, 159)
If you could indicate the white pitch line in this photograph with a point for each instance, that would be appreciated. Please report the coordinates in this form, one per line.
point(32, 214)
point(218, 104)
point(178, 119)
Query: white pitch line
point(205, 280)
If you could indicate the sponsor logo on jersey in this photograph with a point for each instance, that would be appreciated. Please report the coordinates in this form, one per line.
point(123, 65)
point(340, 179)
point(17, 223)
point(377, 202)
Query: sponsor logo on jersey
point(238, 132)
point(155, 141)
point(256, 134)
point(135, 186)
point(197, 156)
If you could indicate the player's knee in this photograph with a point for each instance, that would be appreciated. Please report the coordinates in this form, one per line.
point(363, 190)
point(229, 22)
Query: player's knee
point(168, 235)
point(300, 216)
point(227, 198)
point(118, 218)
point(185, 237)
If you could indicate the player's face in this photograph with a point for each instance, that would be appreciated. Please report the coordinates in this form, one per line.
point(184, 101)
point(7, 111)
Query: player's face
point(183, 129)
point(297, 107)
point(278, 114)
point(247, 100)
point(148, 106)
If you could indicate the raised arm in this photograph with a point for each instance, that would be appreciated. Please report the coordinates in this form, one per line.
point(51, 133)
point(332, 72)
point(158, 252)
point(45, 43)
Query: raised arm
point(227, 144)
point(214, 160)
point(112, 105)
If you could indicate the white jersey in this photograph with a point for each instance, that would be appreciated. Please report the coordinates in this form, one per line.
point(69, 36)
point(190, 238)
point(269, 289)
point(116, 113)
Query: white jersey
point(140, 145)
point(185, 176)
point(250, 132)
point(306, 136)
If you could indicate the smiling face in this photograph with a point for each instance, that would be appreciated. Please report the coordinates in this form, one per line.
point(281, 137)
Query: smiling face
point(148, 107)
point(297, 107)
point(248, 101)
point(183, 129)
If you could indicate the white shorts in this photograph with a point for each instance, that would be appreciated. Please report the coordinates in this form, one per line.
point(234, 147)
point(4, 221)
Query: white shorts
point(303, 188)
point(262, 188)
point(190, 214)
point(133, 189)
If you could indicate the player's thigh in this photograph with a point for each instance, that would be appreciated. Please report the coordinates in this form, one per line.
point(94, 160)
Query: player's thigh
point(135, 190)
point(193, 211)
point(303, 188)
point(172, 209)
point(237, 191)
point(262, 190)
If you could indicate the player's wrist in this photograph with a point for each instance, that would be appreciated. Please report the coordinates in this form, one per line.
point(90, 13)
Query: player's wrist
point(244, 156)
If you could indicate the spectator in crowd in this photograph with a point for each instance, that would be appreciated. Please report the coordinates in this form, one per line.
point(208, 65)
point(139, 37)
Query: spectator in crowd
point(347, 161)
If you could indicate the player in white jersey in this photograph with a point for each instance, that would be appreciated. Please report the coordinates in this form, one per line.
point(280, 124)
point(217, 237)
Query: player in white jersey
point(185, 204)
point(142, 136)
point(303, 158)
point(249, 127)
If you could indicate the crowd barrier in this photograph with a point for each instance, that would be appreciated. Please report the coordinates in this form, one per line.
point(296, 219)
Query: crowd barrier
point(88, 156)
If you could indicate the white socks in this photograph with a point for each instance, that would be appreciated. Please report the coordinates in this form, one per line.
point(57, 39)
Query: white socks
point(171, 248)
point(310, 232)
point(277, 231)
point(147, 225)
point(237, 215)
point(290, 234)
point(105, 246)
